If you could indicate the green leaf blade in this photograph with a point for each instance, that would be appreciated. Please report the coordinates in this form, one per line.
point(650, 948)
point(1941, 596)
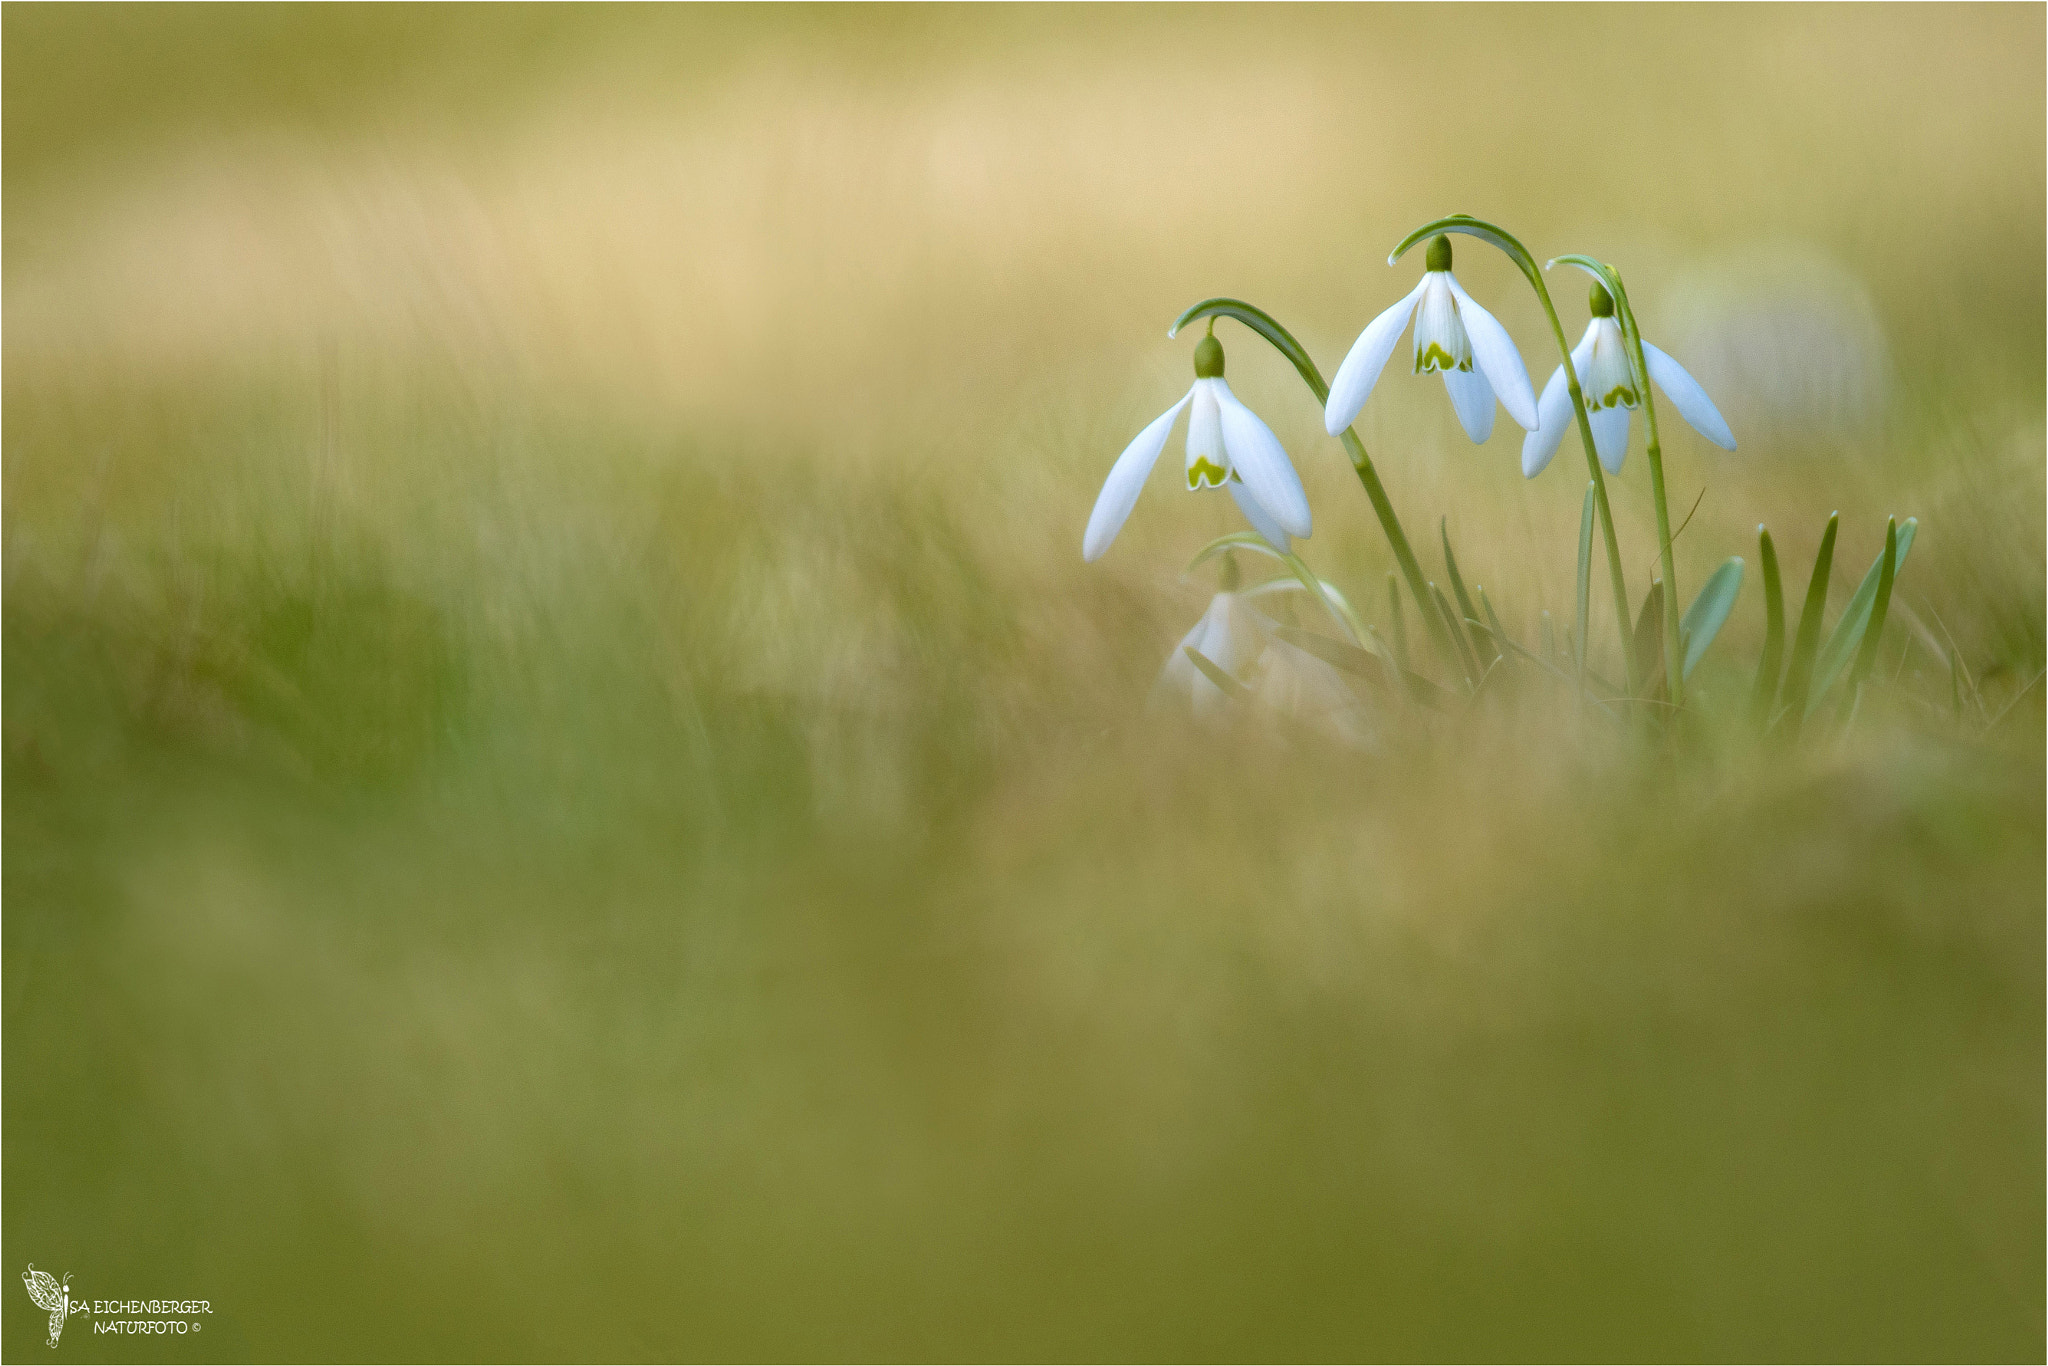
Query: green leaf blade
point(1765, 691)
point(1466, 610)
point(1799, 673)
point(1710, 609)
point(1850, 630)
point(1214, 672)
point(1458, 637)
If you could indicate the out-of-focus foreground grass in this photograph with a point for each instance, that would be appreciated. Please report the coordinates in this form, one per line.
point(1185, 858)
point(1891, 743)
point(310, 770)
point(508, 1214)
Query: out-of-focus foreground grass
point(568, 793)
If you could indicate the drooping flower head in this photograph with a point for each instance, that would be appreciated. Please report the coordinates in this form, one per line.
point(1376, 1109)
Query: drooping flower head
point(1278, 679)
point(1230, 636)
point(1228, 448)
point(1611, 390)
point(1454, 337)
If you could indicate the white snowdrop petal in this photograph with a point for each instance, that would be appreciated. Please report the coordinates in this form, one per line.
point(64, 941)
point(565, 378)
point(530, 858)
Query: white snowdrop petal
point(1256, 454)
point(1493, 350)
point(1607, 377)
point(1361, 369)
point(1583, 352)
point(1261, 520)
point(1688, 397)
point(1553, 415)
point(1472, 396)
point(1610, 436)
point(1208, 465)
point(1554, 412)
point(1440, 340)
point(1126, 479)
point(1228, 640)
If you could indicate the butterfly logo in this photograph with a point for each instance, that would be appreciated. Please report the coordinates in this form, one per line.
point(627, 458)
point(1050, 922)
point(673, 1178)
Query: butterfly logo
point(48, 1294)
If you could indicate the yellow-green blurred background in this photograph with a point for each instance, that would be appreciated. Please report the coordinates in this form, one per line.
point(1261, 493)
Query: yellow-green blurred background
point(568, 793)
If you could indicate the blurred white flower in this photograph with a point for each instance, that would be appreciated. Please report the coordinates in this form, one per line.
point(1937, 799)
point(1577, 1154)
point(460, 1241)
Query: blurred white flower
point(1787, 337)
point(1230, 636)
point(1455, 337)
point(1228, 448)
point(1280, 679)
point(1609, 384)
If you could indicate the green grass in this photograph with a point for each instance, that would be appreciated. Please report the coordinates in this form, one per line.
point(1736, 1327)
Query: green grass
point(506, 860)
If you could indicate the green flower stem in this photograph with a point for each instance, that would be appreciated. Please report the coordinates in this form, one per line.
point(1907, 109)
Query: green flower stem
point(1505, 242)
point(1261, 322)
point(1612, 543)
point(1674, 669)
point(1411, 568)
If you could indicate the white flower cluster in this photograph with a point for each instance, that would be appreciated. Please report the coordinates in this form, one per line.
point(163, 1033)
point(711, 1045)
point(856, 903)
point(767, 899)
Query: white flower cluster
point(1229, 448)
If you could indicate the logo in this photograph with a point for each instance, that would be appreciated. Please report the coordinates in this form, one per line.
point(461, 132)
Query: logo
point(48, 1294)
point(148, 1316)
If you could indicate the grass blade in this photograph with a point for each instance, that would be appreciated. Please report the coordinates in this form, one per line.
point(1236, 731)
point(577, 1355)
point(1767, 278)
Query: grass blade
point(1364, 664)
point(1493, 670)
point(1585, 573)
point(1703, 620)
point(1559, 674)
point(1350, 658)
point(1850, 630)
point(1766, 690)
point(1458, 637)
point(1866, 653)
point(1212, 671)
point(1466, 611)
point(1400, 624)
point(1650, 638)
point(1799, 673)
point(1492, 619)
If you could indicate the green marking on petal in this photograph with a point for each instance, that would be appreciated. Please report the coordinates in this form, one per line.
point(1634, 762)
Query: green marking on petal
point(1202, 474)
point(1620, 396)
point(1436, 358)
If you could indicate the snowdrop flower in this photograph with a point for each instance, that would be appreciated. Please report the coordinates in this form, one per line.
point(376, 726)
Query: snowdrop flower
point(1455, 337)
point(1608, 382)
point(1230, 636)
point(1280, 679)
point(1228, 448)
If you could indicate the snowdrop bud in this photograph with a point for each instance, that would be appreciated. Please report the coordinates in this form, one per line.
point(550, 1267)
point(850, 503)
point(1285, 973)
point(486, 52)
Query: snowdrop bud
point(1439, 257)
point(1209, 359)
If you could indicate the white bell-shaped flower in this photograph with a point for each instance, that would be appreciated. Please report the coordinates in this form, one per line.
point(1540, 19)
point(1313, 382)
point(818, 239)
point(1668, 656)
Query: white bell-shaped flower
point(1228, 448)
point(1455, 338)
point(1608, 383)
point(1230, 636)
point(1279, 678)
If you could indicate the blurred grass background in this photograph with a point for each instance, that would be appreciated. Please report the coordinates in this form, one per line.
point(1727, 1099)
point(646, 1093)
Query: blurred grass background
point(568, 794)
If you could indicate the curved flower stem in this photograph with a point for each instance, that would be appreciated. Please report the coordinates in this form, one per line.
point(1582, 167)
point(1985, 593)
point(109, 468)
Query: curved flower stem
point(1506, 243)
point(1261, 322)
point(1674, 668)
